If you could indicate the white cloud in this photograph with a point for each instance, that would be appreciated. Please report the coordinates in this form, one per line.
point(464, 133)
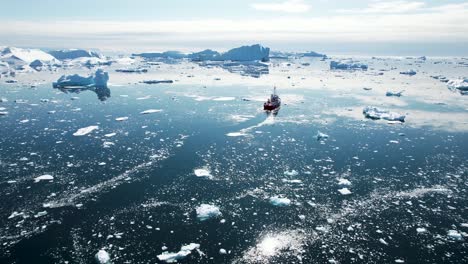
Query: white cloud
point(288, 6)
point(441, 24)
point(388, 7)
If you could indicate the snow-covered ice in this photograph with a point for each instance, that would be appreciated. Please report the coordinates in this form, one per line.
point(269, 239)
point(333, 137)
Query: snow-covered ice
point(344, 191)
point(377, 113)
point(45, 177)
point(85, 130)
point(280, 201)
point(207, 211)
point(186, 250)
point(102, 257)
point(99, 79)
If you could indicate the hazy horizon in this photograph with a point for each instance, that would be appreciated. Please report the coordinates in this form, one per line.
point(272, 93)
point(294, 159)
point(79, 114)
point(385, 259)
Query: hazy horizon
point(365, 27)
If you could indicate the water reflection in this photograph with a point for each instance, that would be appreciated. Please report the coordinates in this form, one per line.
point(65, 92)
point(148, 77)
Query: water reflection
point(103, 93)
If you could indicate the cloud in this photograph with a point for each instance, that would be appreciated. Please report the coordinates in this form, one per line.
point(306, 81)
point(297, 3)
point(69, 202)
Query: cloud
point(388, 7)
point(439, 24)
point(288, 6)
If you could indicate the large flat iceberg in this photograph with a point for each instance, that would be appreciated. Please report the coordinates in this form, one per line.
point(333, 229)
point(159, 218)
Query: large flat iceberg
point(99, 79)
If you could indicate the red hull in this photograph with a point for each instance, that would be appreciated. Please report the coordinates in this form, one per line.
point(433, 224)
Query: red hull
point(270, 107)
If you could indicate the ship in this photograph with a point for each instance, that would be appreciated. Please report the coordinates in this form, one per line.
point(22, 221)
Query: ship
point(273, 103)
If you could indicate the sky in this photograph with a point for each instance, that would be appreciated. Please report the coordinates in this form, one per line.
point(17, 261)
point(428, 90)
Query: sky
point(367, 27)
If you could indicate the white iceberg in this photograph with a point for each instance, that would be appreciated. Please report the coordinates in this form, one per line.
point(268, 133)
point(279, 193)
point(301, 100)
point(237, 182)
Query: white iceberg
point(343, 181)
point(203, 172)
point(291, 173)
point(321, 136)
point(99, 80)
point(102, 257)
point(279, 201)
point(344, 191)
point(45, 177)
point(454, 234)
point(207, 211)
point(376, 113)
point(347, 65)
point(71, 54)
point(85, 130)
point(186, 250)
point(459, 84)
point(18, 56)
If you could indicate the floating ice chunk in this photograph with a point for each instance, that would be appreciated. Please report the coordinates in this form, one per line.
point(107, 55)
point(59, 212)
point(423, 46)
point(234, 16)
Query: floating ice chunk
point(291, 173)
point(120, 119)
point(186, 250)
point(399, 261)
point(102, 257)
point(292, 181)
point(376, 113)
point(85, 130)
point(150, 111)
point(460, 84)
point(236, 134)
point(15, 214)
point(279, 201)
point(132, 70)
point(347, 65)
point(321, 136)
point(454, 234)
point(222, 251)
point(207, 211)
point(224, 98)
point(203, 172)
point(396, 94)
point(345, 182)
point(344, 191)
point(409, 72)
point(99, 80)
point(40, 214)
point(3, 113)
point(18, 56)
point(45, 177)
point(110, 134)
point(383, 241)
point(421, 230)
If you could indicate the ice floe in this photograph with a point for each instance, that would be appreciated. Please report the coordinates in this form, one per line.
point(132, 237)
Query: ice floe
point(150, 111)
point(185, 250)
point(280, 201)
point(85, 130)
point(102, 257)
point(344, 191)
point(409, 72)
point(376, 113)
point(459, 84)
point(207, 211)
point(203, 172)
point(45, 177)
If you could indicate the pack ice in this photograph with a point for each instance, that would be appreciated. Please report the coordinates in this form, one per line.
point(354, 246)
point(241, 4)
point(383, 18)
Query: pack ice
point(207, 211)
point(99, 79)
point(376, 113)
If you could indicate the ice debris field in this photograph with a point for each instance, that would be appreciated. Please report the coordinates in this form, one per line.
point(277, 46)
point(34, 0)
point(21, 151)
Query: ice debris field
point(165, 157)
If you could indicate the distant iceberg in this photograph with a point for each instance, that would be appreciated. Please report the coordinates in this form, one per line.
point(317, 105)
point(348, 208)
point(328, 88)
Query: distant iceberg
point(409, 72)
point(347, 65)
point(314, 54)
point(376, 113)
point(247, 53)
point(17, 56)
point(98, 80)
point(73, 54)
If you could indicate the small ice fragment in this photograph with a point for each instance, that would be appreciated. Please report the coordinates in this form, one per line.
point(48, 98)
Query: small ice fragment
point(45, 177)
point(383, 241)
point(321, 136)
point(376, 113)
point(120, 119)
point(421, 230)
point(85, 130)
point(110, 134)
point(454, 234)
point(344, 191)
point(102, 257)
point(186, 250)
point(150, 111)
point(399, 261)
point(279, 201)
point(222, 251)
point(203, 172)
point(291, 173)
point(345, 182)
point(207, 211)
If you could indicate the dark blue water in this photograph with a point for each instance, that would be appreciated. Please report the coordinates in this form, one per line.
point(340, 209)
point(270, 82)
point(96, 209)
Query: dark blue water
point(136, 197)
